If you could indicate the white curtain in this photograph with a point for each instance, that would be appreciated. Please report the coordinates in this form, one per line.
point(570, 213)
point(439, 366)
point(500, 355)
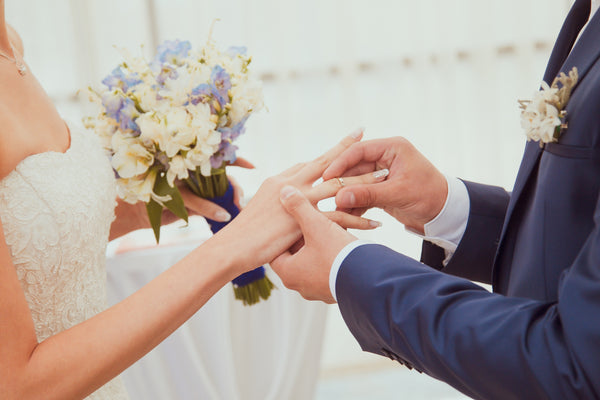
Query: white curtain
point(226, 351)
point(444, 74)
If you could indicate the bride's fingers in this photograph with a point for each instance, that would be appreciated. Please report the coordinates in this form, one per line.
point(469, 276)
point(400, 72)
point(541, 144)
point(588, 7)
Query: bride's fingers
point(205, 208)
point(238, 193)
point(292, 170)
point(243, 163)
point(332, 186)
point(349, 221)
point(314, 169)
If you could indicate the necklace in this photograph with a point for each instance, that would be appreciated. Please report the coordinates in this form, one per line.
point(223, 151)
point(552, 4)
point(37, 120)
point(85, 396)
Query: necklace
point(21, 67)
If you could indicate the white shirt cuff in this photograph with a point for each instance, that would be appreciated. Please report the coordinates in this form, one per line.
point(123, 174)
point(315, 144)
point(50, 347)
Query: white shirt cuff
point(337, 263)
point(448, 227)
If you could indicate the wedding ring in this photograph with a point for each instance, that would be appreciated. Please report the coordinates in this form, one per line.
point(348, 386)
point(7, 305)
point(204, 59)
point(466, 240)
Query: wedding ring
point(341, 181)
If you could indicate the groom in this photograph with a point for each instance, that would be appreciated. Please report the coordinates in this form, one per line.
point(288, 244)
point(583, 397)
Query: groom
point(538, 335)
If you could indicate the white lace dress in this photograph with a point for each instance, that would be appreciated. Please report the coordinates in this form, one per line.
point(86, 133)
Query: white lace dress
point(56, 211)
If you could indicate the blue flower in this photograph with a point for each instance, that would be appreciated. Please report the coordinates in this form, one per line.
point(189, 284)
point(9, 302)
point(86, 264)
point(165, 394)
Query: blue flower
point(226, 153)
point(172, 51)
point(167, 71)
point(122, 109)
point(217, 89)
point(128, 115)
point(118, 79)
point(231, 134)
point(221, 84)
point(112, 102)
point(201, 94)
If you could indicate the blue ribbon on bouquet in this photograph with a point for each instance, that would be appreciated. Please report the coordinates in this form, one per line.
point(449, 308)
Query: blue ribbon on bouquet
point(243, 283)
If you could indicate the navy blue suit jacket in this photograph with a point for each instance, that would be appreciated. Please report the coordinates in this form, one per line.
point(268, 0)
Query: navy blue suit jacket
point(538, 335)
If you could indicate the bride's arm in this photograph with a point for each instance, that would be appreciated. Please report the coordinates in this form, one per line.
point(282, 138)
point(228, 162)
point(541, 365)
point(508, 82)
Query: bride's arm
point(76, 362)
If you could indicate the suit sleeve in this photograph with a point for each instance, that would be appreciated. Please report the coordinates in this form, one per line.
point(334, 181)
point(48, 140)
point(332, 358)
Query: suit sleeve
point(486, 345)
point(475, 253)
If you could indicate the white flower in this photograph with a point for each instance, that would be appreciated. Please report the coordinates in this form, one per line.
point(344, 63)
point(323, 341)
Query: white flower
point(542, 117)
point(202, 120)
point(135, 64)
point(178, 90)
point(105, 128)
point(177, 118)
point(146, 96)
point(247, 97)
point(151, 127)
point(131, 158)
point(137, 189)
point(178, 168)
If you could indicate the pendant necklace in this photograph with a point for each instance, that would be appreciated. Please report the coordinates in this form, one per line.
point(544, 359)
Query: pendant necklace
point(21, 67)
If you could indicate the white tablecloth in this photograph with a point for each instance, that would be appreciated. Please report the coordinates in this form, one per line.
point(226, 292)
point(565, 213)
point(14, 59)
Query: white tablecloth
point(226, 350)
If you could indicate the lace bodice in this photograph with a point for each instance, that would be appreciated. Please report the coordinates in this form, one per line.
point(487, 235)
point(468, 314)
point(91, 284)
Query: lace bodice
point(56, 211)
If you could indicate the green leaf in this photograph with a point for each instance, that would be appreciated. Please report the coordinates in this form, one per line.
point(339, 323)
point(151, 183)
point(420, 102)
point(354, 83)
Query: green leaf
point(175, 205)
point(154, 211)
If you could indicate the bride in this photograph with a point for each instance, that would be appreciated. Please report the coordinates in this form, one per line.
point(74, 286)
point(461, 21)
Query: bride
point(58, 339)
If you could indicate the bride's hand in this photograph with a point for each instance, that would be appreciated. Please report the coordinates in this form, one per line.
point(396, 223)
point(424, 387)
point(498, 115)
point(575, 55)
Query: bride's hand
point(264, 230)
point(206, 208)
point(131, 217)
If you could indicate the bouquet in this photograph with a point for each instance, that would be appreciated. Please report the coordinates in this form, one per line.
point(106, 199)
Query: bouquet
point(175, 119)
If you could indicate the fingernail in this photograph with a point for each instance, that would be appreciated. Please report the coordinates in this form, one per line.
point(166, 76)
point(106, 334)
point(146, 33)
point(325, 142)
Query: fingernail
point(375, 224)
point(382, 173)
point(348, 200)
point(222, 216)
point(356, 134)
point(287, 192)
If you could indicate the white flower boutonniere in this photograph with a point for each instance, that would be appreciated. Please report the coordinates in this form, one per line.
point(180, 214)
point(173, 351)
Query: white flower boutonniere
point(543, 117)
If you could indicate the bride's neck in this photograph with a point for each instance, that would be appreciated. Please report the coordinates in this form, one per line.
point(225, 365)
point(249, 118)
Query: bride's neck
point(4, 39)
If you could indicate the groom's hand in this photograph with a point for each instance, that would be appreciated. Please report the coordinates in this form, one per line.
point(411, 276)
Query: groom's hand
point(414, 192)
point(307, 269)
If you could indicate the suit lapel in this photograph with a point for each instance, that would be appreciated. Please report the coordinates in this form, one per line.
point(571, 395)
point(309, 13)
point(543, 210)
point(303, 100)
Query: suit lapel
point(583, 56)
point(587, 50)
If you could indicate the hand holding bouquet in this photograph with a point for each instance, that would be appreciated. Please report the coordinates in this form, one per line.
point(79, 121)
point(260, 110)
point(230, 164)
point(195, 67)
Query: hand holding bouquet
point(174, 118)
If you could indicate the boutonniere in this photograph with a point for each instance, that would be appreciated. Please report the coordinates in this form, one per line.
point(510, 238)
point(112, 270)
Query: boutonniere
point(543, 117)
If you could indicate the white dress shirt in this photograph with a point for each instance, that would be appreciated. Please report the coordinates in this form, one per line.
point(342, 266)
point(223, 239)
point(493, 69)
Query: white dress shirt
point(448, 227)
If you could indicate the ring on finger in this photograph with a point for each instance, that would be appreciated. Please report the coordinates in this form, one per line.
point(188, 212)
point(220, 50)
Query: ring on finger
point(341, 182)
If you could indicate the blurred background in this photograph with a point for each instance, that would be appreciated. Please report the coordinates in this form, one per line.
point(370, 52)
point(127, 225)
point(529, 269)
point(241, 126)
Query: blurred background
point(444, 74)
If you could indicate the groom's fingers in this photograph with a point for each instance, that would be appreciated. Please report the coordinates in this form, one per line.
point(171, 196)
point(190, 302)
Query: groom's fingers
point(366, 196)
point(298, 206)
point(361, 169)
point(359, 153)
point(349, 221)
point(285, 267)
point(332, 186)
point(314, 169)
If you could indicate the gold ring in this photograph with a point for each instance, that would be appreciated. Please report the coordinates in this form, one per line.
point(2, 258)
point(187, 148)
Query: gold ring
point(341, 181)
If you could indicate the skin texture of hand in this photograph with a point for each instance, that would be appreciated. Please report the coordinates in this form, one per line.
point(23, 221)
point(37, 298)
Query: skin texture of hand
point(307, 270)
point(264, 230)
point(414, 192)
